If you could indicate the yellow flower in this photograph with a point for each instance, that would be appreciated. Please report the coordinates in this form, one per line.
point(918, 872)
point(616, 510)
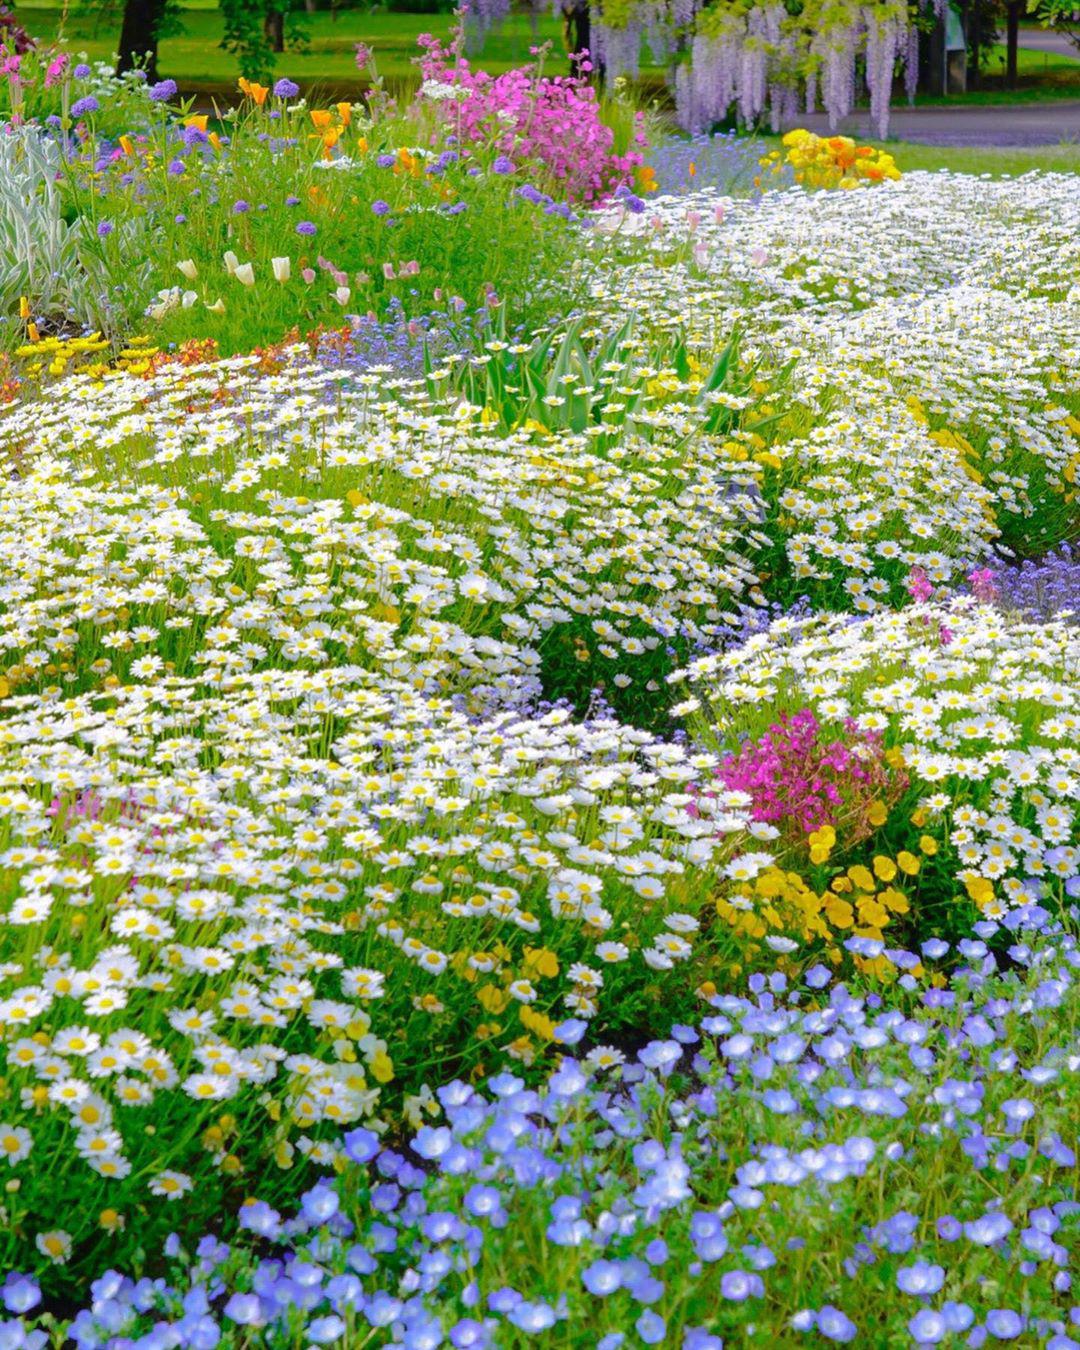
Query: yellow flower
point(839, 912)
point(491, 998)
point(884, 868)
point(539, 961)
point(878, 814)
point(861, 877)
point(980, 889)
point(928, 845)
point(894, 900)
point(908, 863)
point(871, 911)
point(382, 1067)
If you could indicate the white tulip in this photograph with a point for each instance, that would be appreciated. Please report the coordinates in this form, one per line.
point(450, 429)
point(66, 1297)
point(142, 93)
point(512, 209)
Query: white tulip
point(245, 274)
point(282, 269)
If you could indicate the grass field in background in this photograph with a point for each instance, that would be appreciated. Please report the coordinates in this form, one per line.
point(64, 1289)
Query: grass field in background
point(997, 161)
point(325, 63)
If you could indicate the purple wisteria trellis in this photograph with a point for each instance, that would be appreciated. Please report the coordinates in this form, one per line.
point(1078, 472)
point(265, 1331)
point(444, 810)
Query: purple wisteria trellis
point(762, 59)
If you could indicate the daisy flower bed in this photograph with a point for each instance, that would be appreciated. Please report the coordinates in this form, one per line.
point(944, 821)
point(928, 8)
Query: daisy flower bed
point(537, 806)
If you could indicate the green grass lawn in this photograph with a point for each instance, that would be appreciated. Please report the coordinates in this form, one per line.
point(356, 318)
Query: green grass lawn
point(326, 59)
point(997, 161)
point(325, 63)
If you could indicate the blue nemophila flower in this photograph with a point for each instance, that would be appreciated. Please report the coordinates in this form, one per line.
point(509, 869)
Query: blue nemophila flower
point(739, 1285)
point(468, 1334)
point(922, 1278)
point(20, 1293)
point(708, 1236)
point(835, 1325)
point(320, 1204)
point(651, 1327)
point(245, 1309)
point(928, 1327)
point(324, 1330)
point(532, 1317)
point(361, 1145)
point(381, 1309)
point(661, 1055)
point(990, 1228)
point(602, 1277)
point(1004, 1324)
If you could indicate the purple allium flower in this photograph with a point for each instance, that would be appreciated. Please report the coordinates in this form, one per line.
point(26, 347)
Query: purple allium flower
point(286, 88)
point(162, 91)
point(82, 107)
point(306, 227)
point(1042, 589)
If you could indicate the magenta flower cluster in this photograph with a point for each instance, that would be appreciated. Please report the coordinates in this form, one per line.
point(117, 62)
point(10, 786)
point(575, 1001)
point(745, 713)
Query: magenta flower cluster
point(799, 781)
point(549, 124)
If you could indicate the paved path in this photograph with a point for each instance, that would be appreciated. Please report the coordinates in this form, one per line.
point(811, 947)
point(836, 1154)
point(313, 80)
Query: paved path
point(1015, 124)
point(1046, 40)
point(993, 124)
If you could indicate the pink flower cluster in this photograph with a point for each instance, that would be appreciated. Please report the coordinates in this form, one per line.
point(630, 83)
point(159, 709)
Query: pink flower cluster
point(551, 124)
point(799, 782)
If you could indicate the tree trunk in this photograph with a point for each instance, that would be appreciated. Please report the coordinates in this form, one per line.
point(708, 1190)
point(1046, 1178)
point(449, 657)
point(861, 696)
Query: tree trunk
point(139, 37)
point(577, 31)
point(275, 30)
point(1012, 41)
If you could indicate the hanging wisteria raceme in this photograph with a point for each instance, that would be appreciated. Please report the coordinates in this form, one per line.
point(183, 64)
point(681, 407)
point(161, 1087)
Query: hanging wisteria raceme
point(483, 16)
point(755, 59)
